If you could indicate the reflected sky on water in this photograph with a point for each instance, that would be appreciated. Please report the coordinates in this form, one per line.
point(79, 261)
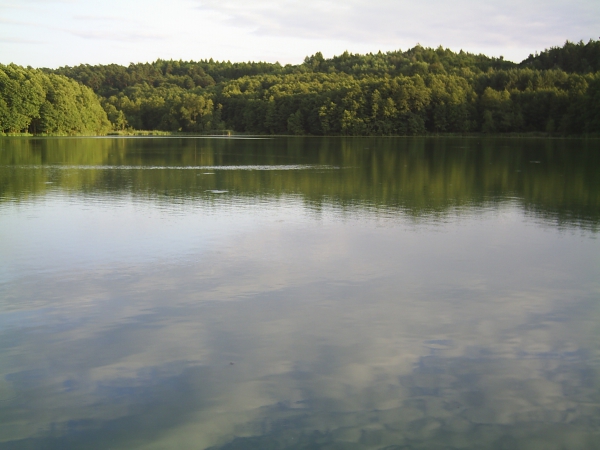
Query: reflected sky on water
point(299, 293)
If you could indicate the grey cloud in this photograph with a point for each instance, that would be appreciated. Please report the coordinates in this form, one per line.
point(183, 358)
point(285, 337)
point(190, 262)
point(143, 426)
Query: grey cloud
point(99, 18)
point(16, 40)
point(468, 23)
point(18, 22)
point(97, 33)
point(30, 4)
point(117, 36)
point(21, 3)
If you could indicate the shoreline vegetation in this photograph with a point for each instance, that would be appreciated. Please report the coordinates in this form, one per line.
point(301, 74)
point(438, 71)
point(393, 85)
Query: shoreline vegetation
point(418, 92)
point(231, 134)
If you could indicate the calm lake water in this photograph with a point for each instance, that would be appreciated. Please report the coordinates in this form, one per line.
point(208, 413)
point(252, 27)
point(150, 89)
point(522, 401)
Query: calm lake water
point(291, 293)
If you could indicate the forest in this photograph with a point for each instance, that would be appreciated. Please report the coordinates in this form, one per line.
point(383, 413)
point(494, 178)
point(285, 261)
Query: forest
point(415, 92)
point(44, 103)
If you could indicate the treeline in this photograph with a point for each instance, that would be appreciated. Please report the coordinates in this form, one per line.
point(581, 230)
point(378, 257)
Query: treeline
point(45, 103)
point(572, 57)
point(419, 91)
point(497, 101)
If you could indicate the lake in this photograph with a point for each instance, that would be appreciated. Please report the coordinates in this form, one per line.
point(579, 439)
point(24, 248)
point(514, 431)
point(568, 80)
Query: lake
point(299, 293)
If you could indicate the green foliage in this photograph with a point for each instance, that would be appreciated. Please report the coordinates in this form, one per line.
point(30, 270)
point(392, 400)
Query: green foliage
point(165, 108)
point(294, 123)
point(22, 94)
point(111, 79)
point(418, 91)
point(33, 101)
point(571, 57)
point(70, 108)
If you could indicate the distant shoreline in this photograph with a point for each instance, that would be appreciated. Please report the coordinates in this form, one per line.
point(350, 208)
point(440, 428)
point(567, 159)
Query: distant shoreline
point(418, 92)
point(160, 133)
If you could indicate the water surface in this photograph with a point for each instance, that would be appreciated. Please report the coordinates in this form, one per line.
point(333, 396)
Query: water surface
point(379, 293)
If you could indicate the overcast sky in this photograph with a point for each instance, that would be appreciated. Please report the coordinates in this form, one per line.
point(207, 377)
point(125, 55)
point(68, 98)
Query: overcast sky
point(53, 33)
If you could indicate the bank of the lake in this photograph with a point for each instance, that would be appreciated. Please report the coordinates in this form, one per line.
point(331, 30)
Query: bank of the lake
point(416, 92)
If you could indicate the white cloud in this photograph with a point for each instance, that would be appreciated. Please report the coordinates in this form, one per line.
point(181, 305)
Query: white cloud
point(15, 40)
point(467, 23)
point(104, 35)
point(123, 31)
point(99, 18)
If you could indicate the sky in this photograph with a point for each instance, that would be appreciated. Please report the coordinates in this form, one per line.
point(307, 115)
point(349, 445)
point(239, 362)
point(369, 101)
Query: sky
point(54, 33)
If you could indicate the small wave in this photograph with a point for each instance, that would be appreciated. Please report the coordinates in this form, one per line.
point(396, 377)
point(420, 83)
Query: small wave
point(237, 167)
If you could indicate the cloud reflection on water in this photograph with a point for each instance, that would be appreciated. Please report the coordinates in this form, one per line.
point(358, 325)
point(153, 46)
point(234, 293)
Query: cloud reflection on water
point(365, 332)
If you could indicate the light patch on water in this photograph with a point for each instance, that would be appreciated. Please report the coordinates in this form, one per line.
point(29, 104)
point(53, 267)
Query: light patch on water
point(125, 167)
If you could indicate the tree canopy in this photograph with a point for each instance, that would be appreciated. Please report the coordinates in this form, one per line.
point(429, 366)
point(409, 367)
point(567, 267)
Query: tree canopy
point(46, 103)
point(418, 91)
